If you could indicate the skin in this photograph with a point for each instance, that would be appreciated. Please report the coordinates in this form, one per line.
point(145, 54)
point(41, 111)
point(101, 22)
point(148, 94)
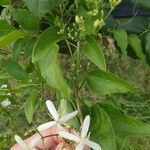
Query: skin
point(50, 143)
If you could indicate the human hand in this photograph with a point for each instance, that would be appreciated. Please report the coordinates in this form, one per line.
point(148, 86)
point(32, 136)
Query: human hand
point(49, 142)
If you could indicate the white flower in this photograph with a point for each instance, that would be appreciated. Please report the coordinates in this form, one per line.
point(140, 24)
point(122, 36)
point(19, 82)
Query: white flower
point(83, 138)
point(58, 121)
point(4, 86)
point(27, 146)
point(5, 103)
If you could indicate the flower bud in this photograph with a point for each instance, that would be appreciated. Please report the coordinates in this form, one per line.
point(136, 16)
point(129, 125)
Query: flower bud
point(98, 23)
point(77, 19)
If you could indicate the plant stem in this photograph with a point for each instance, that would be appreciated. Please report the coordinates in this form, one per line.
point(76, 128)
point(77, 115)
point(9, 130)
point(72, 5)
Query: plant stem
point(71, 54)
point(77, 97)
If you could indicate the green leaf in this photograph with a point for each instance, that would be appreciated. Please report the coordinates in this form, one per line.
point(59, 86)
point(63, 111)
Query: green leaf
point(101, 128)
point(16, 49)
point(103, 82)
point(10, 37)
point(4, 2)
point(29, 106)
point(147, 46)
point(94, 52)
point(25, 19)
point(40, 7)
point(14, 69)
point(135, 43)
point(124, 125)
point(51, 72)
point(5, 27)
point(29, 46)
point(136, 25)
point(45, 41)
point(145, 4)
point(121, 37)
point(66, 108)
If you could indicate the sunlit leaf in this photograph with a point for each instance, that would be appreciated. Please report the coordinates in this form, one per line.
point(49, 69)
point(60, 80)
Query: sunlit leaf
point(51, 72)
point(121, 37)
point(135, 43)
point(45, 41)
point(94, 52)
point(10, 37)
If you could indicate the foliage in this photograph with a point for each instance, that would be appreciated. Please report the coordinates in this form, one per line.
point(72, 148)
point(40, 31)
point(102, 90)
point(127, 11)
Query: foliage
point(59, 49)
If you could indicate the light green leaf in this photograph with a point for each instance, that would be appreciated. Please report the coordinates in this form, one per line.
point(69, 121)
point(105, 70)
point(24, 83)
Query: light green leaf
point(51, 72)
point(135, 43)
point(66, 108)
point(14, 69)
point(101, 128)
point(124, 125)
point(41, 7)
point(121, 37)
point(103, 82)
point(29, 106)
point(10, 37)
point(25, 19)
point(94, 52)
point(45, 41)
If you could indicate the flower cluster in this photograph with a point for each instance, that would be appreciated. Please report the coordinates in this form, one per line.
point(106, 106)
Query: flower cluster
point(80, 139)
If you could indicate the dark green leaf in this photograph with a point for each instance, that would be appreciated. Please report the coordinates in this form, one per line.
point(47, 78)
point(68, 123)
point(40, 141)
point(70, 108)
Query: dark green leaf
point(41, 7)
point(14, 69)
point(145, 4)
point(105, 83)
point(5, 27)
point(16, 49)
point(121, 37)
point(124, 125)
point(101, 128)
point(4, 2)
point(29, 45)
point(25, 19)
point(136, 25)
point(94, 52)
point(147, 46)
point(45, 41)
point(51, 72)
point(135, 43)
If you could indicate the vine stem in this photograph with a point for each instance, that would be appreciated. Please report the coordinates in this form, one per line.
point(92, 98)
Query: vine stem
point(77, 98)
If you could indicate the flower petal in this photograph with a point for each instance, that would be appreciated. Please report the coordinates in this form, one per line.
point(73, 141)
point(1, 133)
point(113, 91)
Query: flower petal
point(68, 117)
point(20, 141)
point(52, 109)
point(69, 136)
point(85, 126)
point(60, 127)
point(93, 145)
point(46, 125)
point(80, 146)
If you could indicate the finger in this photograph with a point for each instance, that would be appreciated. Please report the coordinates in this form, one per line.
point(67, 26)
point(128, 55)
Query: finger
point(63, 146)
